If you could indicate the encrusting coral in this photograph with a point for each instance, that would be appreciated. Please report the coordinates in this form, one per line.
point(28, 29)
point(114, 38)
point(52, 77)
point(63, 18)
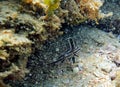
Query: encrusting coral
point(73, 11)
point(81, 10)
point(90, 8)
point(12, 61)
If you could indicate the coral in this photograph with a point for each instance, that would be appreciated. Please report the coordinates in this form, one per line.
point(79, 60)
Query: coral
point(49, 23)
point(81, 10)
point(78, 10)
point(48, 5)
point(74, 16)
point(52, 26)
point(12, 49)
point(90, 8)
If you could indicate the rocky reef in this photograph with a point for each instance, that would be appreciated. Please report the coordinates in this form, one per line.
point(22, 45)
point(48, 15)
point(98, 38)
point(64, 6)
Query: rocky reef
point(26, 24)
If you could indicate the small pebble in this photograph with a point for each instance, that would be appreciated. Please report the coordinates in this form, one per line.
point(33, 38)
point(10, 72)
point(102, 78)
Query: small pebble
point(75, 70)
point(66, 81)
point(30, 74)
point(80, 67)
point(57, 49)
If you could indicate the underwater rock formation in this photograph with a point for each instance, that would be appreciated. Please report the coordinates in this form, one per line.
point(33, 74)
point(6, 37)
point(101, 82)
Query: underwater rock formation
point(27, 24)
point(14, 52)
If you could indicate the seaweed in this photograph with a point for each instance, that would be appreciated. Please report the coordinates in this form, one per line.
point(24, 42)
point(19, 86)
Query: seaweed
point(51, 6)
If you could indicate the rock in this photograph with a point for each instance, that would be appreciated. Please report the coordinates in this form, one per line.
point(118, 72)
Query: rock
point(75, 70)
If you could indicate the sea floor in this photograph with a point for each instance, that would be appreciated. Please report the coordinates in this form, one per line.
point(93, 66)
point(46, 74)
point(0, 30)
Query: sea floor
point(96, 65)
